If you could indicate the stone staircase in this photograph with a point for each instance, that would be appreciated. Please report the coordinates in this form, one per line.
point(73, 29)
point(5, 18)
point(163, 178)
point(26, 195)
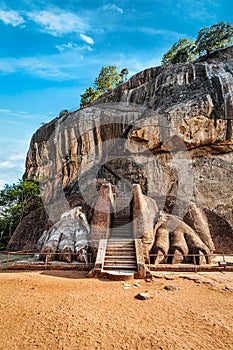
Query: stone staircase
point(121, 227)
point(120, 257)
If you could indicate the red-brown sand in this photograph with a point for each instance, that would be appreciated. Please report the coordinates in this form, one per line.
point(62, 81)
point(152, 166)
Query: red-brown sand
point(66, 310)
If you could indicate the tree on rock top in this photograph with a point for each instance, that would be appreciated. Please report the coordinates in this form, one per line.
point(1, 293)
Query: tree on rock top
point(218, 36)
point(108, 79)
point(181, 52)
point(88, 96)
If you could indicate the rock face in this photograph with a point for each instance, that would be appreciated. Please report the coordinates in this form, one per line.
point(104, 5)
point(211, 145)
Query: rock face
point(178, 144)
point(29, 231)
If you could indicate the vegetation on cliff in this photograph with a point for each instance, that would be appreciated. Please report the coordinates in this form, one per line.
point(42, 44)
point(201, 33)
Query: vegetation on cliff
point(218, 36)
point(107, 80)
point(16, 201)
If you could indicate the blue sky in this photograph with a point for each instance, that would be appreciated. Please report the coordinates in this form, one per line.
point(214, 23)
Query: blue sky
point(50, 51)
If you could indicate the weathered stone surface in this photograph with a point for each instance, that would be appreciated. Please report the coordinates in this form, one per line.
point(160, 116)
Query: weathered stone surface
point(180, 145)
point(101, 220)
point(29, 231)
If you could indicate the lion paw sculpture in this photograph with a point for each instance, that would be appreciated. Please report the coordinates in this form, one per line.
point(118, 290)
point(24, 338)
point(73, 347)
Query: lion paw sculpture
point(175, 241)
point(67, 240)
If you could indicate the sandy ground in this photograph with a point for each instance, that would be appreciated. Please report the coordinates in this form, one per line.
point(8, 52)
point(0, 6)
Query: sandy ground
point(65, 310)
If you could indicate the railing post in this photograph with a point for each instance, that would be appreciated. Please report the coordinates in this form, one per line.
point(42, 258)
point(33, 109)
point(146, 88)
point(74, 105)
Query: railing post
point(195, 263)
point(45, 261)
point(7, 260)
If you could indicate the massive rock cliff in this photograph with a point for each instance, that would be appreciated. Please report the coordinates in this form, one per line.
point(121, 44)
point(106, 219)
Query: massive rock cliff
point(178, 143)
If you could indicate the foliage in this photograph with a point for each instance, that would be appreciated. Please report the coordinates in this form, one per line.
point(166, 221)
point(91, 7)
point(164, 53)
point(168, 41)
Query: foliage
point(218, 36)
point(63, 113)
point(88, 96)
point(16, 201)
point(107, 80)
point(181, 52)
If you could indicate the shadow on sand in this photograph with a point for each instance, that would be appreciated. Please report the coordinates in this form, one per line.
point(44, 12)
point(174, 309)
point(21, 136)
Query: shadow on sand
point(66, 274)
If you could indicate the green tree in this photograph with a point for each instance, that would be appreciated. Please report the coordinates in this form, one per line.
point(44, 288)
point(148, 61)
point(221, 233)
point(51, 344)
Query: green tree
point(63, 113)
point(16, 201)
point(216, 37)
point(88, 96)
point(181, 52)
point(123, 75)
point(107, 80)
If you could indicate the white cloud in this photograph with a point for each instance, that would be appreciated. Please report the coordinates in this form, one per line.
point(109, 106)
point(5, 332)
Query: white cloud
point(13, 153)
point(10, 175)
point(14, 117)
point(67, 46)
point(15, 162)
point(46, 67)
point(161, 32)
point(72, 47)
point(69, 64)
point(2, 110)
point(60, 67)
point(87, 39)
point(11, 17)
point(6, 164)
point(113, 7)
point(16, 157)
point(59, 22)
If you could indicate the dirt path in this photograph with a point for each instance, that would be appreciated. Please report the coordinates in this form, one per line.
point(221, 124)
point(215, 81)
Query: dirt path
point(65, 310)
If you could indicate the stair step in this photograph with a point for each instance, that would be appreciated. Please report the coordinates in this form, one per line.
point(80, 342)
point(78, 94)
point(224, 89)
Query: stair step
point(120, 262)
point(120, 267)
point(126, 221)
point(117, 229)
point(127, 240)
point(121, 224)
point(120, 244)
point(117, 247)
point(120, 248)
point(120, 236)
point(120, 254)
point(121, 241)
point(120, 258)
point(117, 262)
point(120, 275)
point(120, 229)
point(120, 232)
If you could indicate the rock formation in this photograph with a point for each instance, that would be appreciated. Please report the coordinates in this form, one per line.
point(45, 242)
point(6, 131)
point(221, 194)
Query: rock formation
point(177, 146)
